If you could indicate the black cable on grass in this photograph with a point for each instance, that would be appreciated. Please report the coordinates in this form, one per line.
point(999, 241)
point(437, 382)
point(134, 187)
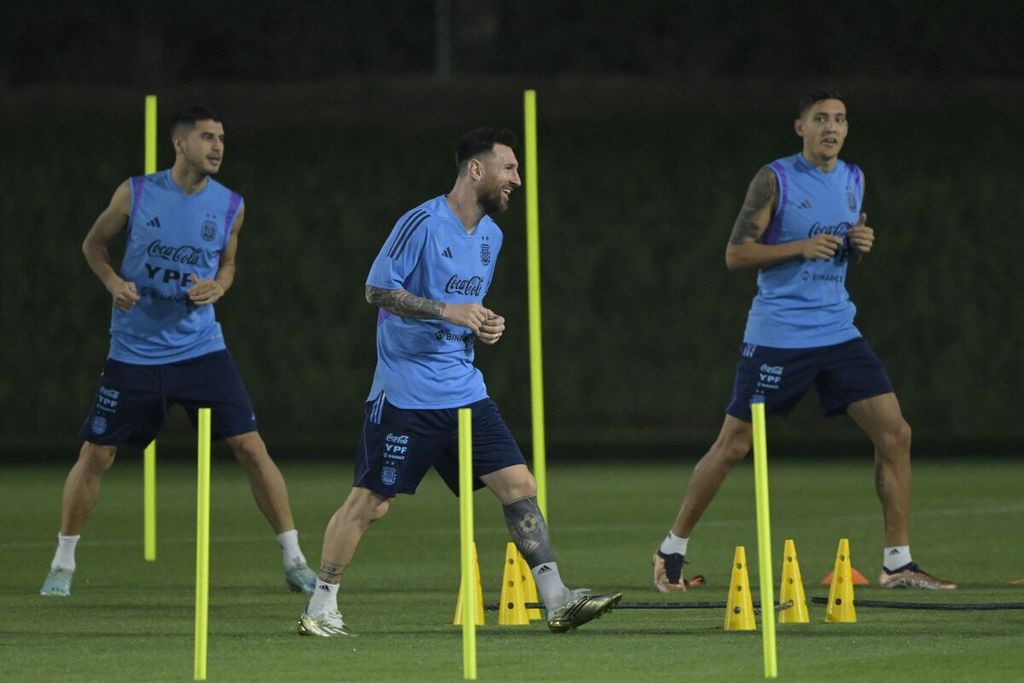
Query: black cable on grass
point(717, 604)
point(928, 605)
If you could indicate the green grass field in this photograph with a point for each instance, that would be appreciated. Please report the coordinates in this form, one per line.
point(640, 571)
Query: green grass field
point(128, 620)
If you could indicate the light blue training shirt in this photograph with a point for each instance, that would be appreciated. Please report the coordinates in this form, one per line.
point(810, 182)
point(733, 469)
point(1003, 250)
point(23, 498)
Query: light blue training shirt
point(804, 303)
point(428, 364)
point(171, 235)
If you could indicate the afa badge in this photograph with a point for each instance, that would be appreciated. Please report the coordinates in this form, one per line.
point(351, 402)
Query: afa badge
point(851, 199)
point(389, 475)
point(209, 230)
point(485, 253)
point(99, 424)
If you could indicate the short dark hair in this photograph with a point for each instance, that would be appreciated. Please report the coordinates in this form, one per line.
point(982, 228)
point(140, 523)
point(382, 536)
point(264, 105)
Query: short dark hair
point(189, 117)
point(476, 142)
point(812, 98)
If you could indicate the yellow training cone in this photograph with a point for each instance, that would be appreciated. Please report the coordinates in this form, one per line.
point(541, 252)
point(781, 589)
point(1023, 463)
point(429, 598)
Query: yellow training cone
point(739, 609)
point(840, 608)
point(512, 606)
point(792, 588)
point(479, 595)
point(529, 588)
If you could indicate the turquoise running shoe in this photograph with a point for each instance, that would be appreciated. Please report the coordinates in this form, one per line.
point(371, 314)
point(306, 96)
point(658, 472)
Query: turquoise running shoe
point(58, 582)
point(300, 579)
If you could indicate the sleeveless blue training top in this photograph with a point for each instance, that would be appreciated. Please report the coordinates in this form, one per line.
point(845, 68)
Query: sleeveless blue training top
point(171, 235)
point(802, 303)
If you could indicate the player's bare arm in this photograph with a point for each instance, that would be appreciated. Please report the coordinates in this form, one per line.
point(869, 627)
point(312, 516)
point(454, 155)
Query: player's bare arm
point(109, 224)
point(403, 303)
point(209, 291)
point(744, 250)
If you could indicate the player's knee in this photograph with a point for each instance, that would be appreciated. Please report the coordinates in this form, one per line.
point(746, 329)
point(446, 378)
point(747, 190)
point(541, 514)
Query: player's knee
point(511, 483)
point(249, 449)
point(895, 438)
point(97, 458)
point(363, 507)
point(732, 448)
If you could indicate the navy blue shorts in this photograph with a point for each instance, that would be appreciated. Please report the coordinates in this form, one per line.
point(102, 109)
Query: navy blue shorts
point(133, 400)
point(399, 446)
point(842, 374)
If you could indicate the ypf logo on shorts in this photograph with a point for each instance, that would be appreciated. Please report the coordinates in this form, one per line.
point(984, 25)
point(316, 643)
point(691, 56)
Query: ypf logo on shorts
point(769, 376)
point(395, 446)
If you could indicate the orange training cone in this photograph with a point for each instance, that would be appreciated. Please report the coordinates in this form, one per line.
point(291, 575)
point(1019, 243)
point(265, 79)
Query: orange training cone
point(739, 608)
point(857, 578)
point(792, 588)
point(840, 609)
point(479, 595)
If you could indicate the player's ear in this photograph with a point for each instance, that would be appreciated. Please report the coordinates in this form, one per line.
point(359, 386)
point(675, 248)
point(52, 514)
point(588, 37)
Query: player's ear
point(798, 126)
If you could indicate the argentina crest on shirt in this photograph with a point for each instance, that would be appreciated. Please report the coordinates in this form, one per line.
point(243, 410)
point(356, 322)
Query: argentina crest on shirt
point(209, 230)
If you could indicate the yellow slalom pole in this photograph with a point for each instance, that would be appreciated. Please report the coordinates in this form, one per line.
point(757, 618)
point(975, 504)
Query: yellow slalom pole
point(533, 288)
point(149, 456)
point(764, 538)
point(202, 545)
point(149, 502)
point(150, 163)
point(469, 596)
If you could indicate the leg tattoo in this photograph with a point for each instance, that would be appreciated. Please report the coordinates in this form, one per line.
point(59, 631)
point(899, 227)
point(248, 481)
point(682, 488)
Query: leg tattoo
point(331, 573)
point(529, 531)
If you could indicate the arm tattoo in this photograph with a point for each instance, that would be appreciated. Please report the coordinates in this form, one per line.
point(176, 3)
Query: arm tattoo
point(761, 193)
point(402, 303)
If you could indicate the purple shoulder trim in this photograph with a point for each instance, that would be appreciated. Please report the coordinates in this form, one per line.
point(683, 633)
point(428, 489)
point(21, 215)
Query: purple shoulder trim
point(229, 217)
point(137, 182)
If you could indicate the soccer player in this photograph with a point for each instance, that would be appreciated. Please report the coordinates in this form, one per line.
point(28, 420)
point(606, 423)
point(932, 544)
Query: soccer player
point(429, 282)
point(166, 346)
point(800, 224)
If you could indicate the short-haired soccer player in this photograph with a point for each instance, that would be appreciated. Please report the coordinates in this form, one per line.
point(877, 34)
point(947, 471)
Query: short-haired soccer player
point(181, 231)
point(800, 224)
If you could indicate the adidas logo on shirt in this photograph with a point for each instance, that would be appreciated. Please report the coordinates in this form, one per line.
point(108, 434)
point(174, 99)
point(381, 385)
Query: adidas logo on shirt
point(447, 253)
point(153, 222)
point(805, 204)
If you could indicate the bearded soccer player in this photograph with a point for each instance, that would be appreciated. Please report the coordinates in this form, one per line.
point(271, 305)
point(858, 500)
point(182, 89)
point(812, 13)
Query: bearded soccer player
point(800, 225)
point(429, 282)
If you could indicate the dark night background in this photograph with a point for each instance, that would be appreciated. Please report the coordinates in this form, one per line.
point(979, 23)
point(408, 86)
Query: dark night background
point(653, 117)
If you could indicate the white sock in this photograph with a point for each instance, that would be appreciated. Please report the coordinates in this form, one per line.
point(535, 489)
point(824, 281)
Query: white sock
point(896, 556)
point(549, 584)
point(292, 554)
point(65, 555)
point(674, 545)
point(324, 598)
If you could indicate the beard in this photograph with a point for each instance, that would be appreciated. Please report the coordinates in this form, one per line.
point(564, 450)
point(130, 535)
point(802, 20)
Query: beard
point(493, 201)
